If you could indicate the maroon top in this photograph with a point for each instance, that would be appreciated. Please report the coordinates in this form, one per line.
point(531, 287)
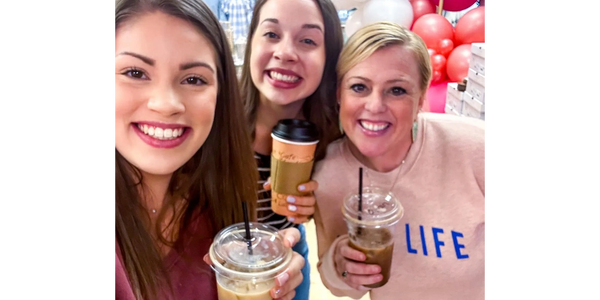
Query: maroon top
point(190, 276)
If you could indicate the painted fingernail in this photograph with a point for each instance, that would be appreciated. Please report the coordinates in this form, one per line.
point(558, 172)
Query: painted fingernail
point(291, 240)
point(291, 199)
point(292, 207)
point(282, 279)
point(291, 219)
point(302, 188)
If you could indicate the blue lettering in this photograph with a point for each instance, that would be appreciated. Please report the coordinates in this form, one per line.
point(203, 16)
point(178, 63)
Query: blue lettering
point(410, 250)
point(423, 240)
point(436, 241)
point(457, 246)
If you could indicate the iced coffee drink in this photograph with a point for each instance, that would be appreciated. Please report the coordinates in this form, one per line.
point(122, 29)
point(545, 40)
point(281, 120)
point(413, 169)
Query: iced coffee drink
point(378, 246)
point(247, 272)
point(371, 229)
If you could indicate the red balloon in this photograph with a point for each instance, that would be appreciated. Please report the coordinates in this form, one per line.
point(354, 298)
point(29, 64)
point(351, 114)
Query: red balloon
point(431, 53)
point(457, 65)
point(438, 76)
point(445, 47)
point(420, 8)
point(454, 5)
point(438, 62)
point(470, 28)
point(433, 28)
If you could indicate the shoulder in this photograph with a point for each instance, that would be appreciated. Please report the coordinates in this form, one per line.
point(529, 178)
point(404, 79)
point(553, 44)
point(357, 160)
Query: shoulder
point(451, 131)
point(332, 157)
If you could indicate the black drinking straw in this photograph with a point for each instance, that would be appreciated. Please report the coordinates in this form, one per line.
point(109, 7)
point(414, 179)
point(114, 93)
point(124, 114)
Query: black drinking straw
point(247, 225)
point(360, 178)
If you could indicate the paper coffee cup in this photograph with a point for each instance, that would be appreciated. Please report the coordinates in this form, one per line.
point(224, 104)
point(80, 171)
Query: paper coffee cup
point(292, 158)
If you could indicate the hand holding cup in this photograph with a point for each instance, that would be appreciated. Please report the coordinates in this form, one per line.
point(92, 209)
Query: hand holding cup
point(302, 206)
point(350, 266)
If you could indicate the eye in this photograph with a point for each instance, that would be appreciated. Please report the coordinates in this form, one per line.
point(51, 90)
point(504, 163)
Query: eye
point(398, 91)
point(309, 41)
point(271, 35)
point(135, 73)
point(358, 88)
point(194, 80)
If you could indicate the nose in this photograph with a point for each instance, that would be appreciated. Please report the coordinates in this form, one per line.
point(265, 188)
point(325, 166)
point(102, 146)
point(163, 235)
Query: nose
point(375, 103)
point(166, 102)
point(286, 51)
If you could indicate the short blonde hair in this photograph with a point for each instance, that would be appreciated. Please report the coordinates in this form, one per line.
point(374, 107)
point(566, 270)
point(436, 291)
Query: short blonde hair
point(364, 42)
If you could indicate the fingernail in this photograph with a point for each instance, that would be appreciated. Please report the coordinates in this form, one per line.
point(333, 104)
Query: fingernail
point(301, 188)
point(291, 240)
point(266, 182)
point(282, 279)
point(291, 199)
point(292, 207)
point(291, 219)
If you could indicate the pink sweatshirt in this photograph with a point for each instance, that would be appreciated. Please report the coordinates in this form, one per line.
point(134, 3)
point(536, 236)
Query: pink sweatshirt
point(439, 243)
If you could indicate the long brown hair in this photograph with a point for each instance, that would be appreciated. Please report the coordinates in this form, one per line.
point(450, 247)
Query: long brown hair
point(320, 107)
point(216, 180)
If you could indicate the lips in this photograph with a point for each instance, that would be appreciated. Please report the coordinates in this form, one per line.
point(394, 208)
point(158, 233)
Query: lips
point(161, 135)
point(373, 128)
point(282, 78)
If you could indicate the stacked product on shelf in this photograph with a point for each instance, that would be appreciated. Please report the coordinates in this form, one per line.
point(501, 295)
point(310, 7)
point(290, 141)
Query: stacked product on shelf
point(474, 96)
point(454, 98)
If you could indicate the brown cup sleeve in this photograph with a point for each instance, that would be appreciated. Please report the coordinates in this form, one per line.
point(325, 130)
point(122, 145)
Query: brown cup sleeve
point(286, 176)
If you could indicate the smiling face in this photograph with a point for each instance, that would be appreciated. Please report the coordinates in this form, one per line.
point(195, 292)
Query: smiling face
point(288, 50)
point(380, 98)
point(166, 92)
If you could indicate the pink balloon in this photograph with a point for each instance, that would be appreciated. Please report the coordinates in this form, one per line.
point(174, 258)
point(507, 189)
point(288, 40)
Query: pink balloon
point(457, 65)
point(470, 28)
point(454, 5)
point(436, 97)
point(433, 28)
point(420, 8)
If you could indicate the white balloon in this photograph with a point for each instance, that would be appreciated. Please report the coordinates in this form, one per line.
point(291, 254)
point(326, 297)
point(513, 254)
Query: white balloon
point(345, 4)
point(397, 11)
point(353, 23)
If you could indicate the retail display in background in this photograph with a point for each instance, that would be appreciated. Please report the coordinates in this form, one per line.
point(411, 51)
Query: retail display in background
point(474, 97)
point(454, 98)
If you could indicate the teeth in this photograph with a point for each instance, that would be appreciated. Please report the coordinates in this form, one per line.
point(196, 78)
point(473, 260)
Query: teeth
point(372, 126)
point(160, 133)
point(281, 77)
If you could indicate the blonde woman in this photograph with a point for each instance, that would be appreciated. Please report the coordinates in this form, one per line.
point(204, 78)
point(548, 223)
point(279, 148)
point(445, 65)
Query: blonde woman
point(433, 163)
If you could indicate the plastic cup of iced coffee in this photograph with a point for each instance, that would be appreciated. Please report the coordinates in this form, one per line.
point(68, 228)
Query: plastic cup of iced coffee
point(371, 230)
point(247, 271)
point(292, 159)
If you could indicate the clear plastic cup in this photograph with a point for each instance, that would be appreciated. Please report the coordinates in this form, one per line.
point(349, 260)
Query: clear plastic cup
point(242, 275)
point(372, 230)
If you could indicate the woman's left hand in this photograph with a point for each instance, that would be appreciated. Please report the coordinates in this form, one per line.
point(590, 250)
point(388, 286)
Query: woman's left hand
point(303, 206)
point(287, 281)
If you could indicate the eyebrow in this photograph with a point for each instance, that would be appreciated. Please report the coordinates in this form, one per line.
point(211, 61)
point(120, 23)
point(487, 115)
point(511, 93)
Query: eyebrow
point(145, 59)
point(194, 64)
point(182, 67)
point(369, 80)
point(305, 26)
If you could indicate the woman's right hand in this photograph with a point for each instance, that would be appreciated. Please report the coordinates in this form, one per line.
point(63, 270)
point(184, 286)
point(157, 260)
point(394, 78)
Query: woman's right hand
point(351, 262)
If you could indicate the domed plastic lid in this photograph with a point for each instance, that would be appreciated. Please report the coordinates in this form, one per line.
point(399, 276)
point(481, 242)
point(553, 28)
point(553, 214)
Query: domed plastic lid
point(379, 207)
point(295, 130)
point(268, 252)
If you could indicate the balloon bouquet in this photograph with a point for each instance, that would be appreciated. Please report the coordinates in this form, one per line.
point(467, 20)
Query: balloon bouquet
point(449, 46)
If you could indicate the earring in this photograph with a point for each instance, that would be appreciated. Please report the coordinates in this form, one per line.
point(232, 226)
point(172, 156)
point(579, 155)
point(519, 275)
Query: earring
point(415, 128)
point(340, 125)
